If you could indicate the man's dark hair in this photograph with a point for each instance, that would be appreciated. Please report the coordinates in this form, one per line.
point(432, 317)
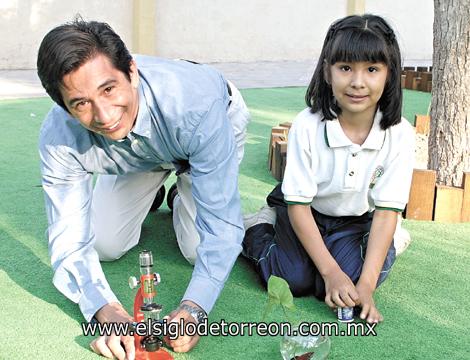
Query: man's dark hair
point(67, 47)
point(359, 38)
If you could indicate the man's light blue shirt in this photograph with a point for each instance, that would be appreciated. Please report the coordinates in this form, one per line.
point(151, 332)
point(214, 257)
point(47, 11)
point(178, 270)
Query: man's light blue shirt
point(182, 118)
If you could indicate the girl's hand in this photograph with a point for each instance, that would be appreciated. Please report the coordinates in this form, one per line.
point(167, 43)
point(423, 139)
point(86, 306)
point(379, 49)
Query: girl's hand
point(340, 290)
point(369, 311)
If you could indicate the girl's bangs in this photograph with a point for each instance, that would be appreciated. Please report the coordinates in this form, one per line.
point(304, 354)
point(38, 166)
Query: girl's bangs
point(358, 45)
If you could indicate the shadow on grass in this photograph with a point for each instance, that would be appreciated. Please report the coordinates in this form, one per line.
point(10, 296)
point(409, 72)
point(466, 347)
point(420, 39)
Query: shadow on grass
point(84, 342)
point(29, 272)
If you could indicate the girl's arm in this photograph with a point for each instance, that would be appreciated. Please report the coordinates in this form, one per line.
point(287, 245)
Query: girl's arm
point(382, 229)
point(340, 290)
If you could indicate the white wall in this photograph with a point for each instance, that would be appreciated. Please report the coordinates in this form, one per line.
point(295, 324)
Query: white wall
point(254, 30)
point(412, 21)
point(214, 30)
point(23, 24)
point(244, 30)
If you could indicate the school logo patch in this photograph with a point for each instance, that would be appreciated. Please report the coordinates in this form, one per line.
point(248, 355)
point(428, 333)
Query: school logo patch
point(378, 172)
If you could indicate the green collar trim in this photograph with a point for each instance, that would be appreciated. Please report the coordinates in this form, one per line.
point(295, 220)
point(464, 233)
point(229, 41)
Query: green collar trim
point(325, 134)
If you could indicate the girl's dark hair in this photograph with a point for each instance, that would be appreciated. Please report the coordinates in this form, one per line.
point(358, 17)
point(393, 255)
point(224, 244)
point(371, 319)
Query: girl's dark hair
point(67, 47)
point(358, 38)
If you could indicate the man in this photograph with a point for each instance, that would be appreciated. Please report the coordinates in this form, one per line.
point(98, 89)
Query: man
point(133, 121)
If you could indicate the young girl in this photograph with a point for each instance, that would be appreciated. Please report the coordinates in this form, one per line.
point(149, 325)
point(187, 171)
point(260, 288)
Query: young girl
point(329, 229)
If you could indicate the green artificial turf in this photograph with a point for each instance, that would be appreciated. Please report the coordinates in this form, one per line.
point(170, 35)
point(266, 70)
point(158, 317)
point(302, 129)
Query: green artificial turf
point(424, 301)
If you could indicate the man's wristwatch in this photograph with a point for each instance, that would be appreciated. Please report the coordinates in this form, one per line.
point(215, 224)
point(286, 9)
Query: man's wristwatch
point(198, 314)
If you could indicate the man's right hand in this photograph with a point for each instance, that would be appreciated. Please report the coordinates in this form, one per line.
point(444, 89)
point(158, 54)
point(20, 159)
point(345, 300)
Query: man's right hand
point(340, 290)
point(111, 346)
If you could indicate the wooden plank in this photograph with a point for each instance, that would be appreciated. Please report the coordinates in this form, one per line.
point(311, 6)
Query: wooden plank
point(425, 78)
point(422, 124)
point(270, 151)
point(448, 206)
point(272, 154)
point(282, 130)
point(273, 163)
point(286, 124)
point(280, 150)
point(416, 84)
point(466, 198)
point(283, 164)
point(422, 68)
point(410, 75)
point(276, 133)
point(421, 203)
point(283, 154)
point(429, 86)
point(403, 81)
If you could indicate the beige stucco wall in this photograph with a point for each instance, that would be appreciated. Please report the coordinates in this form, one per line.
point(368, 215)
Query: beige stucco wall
point(247, 30)
point(212, 30)
point(412, 21)
point(23, 24)
point(244, 30)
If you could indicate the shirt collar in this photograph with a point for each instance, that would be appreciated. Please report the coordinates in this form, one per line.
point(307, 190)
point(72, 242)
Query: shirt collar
point(335, 136)
point(143, 121)
point(376, 137)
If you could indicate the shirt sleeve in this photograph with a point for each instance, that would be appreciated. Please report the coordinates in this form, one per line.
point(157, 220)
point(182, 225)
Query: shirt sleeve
point(214, 175)
point(392, 189)
point(68, 194)
point(298, 185)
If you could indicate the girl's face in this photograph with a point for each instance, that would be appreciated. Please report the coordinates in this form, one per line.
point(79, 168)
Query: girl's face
point(358, 86)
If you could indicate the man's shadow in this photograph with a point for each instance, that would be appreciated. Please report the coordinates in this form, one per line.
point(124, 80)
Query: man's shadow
point(28, 271)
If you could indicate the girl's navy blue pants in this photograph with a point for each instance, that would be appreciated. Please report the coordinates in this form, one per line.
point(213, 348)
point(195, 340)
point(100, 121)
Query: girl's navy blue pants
point(276, 250)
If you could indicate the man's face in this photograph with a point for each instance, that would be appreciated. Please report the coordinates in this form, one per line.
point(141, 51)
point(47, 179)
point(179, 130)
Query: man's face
point(102, 98)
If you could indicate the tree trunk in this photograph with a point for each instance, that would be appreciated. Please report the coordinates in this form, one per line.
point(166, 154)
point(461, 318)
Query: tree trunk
point(449, 140)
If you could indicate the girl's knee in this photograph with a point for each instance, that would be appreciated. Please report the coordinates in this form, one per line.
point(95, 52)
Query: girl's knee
point(300, 285)
point(300, 278)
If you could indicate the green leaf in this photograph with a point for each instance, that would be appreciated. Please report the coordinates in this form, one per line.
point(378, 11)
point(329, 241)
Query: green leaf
point(279, 294)
point(269, 308)
point(278, 291)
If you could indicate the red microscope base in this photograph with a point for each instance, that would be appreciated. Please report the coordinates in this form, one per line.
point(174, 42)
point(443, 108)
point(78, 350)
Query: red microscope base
point(140, 352)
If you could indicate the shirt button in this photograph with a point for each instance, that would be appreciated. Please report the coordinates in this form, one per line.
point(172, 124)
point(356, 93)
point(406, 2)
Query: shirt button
point(354, 155)
point(351, 173)
point(135, 141)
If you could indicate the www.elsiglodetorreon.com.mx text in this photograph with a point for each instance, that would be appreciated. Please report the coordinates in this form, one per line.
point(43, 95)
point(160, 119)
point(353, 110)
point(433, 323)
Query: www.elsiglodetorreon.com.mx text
point(174, 329)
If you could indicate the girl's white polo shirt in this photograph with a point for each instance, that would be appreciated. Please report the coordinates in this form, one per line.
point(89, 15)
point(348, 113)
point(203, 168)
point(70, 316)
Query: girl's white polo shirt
point(339, 178)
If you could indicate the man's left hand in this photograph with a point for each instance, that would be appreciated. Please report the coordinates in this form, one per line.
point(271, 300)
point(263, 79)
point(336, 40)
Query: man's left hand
point(183, 343)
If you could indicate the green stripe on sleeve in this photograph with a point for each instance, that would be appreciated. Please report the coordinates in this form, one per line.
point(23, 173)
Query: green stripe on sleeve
point(296, 203)
point(389, 208)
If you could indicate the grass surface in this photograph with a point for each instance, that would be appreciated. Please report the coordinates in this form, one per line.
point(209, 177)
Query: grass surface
point(424, 301)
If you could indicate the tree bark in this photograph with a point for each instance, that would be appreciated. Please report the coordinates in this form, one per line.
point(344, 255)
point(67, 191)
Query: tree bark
point(449, 140)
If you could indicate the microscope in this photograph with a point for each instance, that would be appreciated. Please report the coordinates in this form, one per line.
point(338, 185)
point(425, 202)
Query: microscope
point(148, 347)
